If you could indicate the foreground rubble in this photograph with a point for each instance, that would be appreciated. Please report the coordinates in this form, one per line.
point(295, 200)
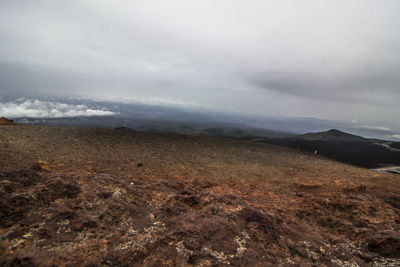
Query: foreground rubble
point(99, 219)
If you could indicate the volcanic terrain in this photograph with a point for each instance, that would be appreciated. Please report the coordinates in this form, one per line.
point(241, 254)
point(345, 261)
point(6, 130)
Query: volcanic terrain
point(76, 196)
point(345, 147)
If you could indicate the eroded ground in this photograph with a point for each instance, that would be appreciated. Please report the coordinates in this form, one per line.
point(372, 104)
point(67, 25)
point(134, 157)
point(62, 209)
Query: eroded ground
point(120, 198)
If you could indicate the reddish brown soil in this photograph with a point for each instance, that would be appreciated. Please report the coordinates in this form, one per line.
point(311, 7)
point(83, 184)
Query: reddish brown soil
point(5, 121)
point(91, 197)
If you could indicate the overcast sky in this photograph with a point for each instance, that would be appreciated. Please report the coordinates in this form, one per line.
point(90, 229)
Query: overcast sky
point(326, 59)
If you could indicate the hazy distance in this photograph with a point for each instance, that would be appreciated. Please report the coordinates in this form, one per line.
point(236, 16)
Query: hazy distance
point(335, 62)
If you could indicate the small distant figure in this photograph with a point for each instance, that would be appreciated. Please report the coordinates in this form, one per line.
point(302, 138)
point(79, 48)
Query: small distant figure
point(315, 152)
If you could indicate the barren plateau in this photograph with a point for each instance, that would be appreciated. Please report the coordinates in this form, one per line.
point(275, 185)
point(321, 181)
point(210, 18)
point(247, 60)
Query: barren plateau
point(77, 196)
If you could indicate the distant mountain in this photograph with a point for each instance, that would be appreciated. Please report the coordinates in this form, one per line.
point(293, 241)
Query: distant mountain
point(191, 126)
point(344, 147)
point(331, 135)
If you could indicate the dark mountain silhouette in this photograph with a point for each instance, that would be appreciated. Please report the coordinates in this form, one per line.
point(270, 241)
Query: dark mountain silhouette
point(344, 147)
point(331, 135)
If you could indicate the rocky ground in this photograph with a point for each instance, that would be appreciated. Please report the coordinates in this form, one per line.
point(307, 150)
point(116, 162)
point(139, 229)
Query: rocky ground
point(99, 197)
point(5, 121)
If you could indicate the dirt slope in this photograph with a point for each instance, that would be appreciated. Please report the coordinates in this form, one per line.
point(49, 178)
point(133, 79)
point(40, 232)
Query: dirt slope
point(101, 197)
point(6, 122)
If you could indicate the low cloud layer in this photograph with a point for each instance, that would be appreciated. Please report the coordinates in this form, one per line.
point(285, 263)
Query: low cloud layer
point(46, 109)
point(376, 128)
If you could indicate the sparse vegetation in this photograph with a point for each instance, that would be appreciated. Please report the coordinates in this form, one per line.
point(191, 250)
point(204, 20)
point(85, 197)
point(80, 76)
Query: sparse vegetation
point(196, 200)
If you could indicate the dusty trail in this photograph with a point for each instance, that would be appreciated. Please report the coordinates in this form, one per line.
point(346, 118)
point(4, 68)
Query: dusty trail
point(388, 147)
point(394, 169)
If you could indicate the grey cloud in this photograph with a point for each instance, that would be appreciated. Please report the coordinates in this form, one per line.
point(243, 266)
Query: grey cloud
point(334, 60)
point(345, 88)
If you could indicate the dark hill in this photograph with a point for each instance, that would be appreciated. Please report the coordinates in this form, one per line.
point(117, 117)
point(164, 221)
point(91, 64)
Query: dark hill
point(331, 135)
point(344, 147)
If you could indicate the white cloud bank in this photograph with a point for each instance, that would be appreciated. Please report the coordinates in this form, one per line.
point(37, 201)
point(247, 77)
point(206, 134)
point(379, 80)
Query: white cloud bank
point(377, 128)
point(397, 136)
point(47, 109)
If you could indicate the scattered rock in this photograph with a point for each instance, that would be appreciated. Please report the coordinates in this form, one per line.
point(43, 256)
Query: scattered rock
point(20, 178)
point(386, 244)
point(114, 221)
point(80, 222)
point(104, 194)
point(192, 200)
point(58, 187)
point(203, 183)
point(42, 166)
